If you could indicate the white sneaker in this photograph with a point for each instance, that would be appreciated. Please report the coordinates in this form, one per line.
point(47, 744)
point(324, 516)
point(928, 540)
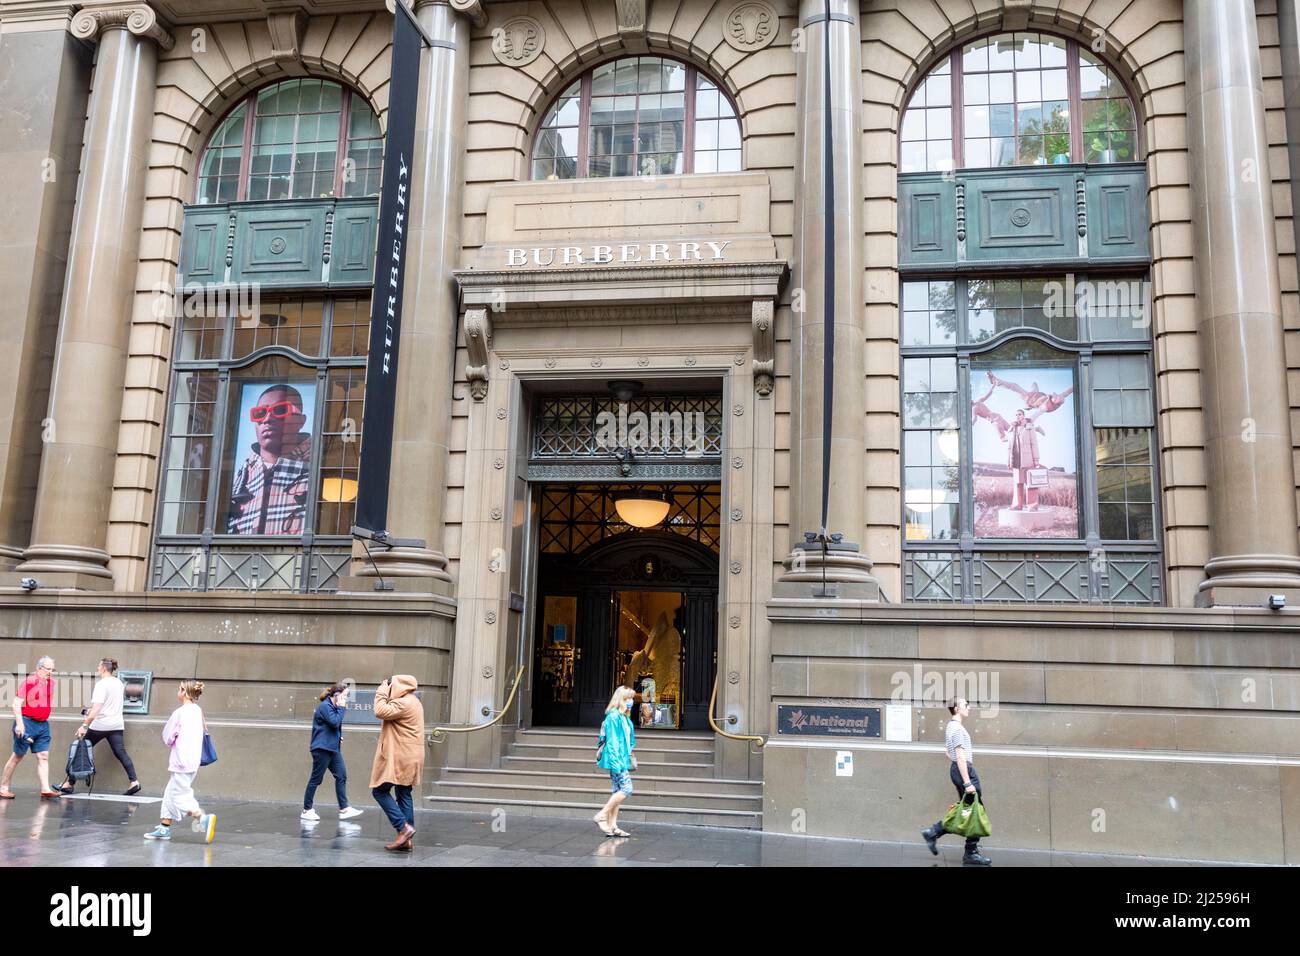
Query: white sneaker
point(349, 813)
point(309, 815)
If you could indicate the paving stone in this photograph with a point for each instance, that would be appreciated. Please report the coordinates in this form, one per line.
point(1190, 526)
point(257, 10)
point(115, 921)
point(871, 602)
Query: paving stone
point(93, 833)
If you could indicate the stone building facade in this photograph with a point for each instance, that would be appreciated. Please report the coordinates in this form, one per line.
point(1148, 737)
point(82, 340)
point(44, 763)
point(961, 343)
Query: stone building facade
point(1060, 460)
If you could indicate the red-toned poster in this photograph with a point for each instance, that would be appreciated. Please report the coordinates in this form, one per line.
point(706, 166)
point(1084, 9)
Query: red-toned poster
point(1024, 452)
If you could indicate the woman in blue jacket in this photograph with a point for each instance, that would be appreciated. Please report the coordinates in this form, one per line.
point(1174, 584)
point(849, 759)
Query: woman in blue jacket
point(327, 751)
point(615, 755)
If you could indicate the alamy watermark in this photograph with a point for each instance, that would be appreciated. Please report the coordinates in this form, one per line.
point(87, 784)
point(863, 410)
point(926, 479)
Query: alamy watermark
point(978, 688)
point(70, 689)
point(662, 432)
point(1099, 298)
point(194, 299)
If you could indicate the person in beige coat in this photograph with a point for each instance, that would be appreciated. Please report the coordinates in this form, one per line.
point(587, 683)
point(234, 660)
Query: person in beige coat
point(399, 758)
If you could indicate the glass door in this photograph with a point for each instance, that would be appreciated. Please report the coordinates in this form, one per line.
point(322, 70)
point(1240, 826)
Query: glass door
point(648, 652)
point(555, 701)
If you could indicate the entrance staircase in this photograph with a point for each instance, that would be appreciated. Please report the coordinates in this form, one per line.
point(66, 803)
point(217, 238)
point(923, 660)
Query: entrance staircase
point(553, 772)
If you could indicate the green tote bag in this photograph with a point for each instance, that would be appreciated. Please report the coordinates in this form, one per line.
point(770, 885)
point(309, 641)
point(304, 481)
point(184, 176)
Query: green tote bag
point(967, 819)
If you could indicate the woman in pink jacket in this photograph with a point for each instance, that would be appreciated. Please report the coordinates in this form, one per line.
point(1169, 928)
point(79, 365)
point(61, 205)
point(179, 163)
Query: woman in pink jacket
point(184, 735)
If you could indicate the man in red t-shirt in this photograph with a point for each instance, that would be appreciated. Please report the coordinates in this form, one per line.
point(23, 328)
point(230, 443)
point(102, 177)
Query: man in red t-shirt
point(31, 729)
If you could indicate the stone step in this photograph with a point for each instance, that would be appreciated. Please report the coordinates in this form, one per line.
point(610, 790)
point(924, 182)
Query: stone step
point(631, 812)
point(600, 779)
point(645, 752)
point(662, 768)
point(583, 737)
point(656, 799)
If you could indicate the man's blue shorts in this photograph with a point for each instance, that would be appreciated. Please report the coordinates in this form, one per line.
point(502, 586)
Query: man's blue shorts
point(37, 730)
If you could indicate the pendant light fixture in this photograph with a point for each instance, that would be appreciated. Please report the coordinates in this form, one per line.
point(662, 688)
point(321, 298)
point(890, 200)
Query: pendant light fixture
point(641, 507)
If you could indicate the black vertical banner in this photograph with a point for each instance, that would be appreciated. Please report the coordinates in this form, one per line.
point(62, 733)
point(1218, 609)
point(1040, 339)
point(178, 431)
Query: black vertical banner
point(390, 269)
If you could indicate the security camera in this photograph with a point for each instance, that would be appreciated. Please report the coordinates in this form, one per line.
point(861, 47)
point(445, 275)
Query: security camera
point(28, 584)
point(1276, 602)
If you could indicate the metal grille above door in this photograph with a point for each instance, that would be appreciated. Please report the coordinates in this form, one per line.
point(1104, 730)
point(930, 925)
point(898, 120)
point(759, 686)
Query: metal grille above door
point(570, 427)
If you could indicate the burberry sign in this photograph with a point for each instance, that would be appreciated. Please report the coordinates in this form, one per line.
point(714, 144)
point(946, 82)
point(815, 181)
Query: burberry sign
point(540, 257)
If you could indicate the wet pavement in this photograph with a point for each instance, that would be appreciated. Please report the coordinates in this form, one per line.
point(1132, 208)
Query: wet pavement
point(109, 831)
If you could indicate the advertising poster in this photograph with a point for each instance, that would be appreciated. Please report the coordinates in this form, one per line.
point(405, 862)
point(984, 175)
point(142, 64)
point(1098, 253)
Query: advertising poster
point(272, 458)
point(1024, 452)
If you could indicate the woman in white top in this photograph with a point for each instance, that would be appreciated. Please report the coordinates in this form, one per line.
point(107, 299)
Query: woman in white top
point(104, 721)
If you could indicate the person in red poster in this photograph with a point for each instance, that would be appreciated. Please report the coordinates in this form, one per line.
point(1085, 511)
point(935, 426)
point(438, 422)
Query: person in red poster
point(31, 729)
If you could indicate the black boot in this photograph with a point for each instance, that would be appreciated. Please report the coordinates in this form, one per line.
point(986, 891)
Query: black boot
point(931, 836)
point(973, 857)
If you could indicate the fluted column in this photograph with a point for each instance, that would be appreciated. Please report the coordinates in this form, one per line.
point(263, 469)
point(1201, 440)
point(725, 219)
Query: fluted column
point(844, 567)
point(70, 526)
point(417, 486)
point(44, 82)
point(1250, 475)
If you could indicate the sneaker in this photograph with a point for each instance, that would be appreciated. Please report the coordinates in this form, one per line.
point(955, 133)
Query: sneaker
point(159, 832)
point(931, 840)
point(209, 821)
point(311, 815)
point(976, 858)
point(347, 813)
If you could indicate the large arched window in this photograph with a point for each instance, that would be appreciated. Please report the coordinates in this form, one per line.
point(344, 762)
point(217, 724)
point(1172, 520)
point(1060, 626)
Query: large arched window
point(296, 139)
point(1018, 99)
point(638, 116)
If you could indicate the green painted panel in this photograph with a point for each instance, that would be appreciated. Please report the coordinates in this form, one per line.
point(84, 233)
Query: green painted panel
point(1118, 223)
point(290, 244)
point(926, 221)
point(1017, 217)
point(281, 243)
point(1060, 216)
point(352, 256)
point(203, 249)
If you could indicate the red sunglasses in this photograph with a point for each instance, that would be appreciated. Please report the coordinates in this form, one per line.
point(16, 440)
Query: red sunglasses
point(260, 413)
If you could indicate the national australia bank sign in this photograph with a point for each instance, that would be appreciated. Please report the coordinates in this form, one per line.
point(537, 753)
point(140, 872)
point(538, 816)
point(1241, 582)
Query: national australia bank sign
point(623, 253)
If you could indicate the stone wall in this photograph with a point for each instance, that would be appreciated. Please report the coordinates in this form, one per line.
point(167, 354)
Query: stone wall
point(263, 661)
point(1095, 730)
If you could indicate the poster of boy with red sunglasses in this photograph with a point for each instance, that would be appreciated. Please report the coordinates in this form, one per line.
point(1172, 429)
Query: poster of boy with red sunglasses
point(269, 495)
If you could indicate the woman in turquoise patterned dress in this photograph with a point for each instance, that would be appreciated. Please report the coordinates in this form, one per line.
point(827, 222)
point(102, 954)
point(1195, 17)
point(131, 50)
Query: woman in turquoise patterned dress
point(615, 755)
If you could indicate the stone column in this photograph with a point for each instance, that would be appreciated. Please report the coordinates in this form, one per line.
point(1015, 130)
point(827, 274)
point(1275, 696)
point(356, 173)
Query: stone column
point(70, 527)
point(1250, 474)
point(418, 486)
point(44, 82)
point(844, 568)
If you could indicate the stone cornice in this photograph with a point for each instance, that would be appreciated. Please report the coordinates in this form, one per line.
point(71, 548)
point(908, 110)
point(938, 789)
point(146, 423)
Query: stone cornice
point(34, 15)
point(139, 18)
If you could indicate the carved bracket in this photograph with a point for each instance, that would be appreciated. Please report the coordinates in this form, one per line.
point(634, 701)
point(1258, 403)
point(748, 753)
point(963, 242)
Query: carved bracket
point(473, 9)
point(478, 342)
point(631, 17)
point(764, 328)
point(286, 33)
point(139, 18)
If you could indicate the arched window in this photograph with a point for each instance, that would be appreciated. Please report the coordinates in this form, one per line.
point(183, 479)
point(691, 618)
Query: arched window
point(638, 116)
point(1018, 99)
point(296, 139)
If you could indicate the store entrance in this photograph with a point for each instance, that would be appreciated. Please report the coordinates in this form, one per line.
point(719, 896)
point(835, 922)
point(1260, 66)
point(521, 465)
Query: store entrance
point(638, 608)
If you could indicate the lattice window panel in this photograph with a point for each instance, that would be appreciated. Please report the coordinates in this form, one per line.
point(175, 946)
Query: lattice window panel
point(568, 428)
point(575, 517)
